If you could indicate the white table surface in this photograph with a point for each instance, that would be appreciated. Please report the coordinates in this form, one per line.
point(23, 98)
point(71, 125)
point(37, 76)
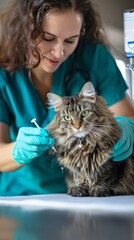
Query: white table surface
point(117, 204)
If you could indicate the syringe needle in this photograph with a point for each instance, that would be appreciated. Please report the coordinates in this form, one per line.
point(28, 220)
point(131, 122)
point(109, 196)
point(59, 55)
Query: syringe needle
point(36, 124)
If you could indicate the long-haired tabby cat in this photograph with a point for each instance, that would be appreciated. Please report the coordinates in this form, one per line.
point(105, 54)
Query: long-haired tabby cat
point(85, 132)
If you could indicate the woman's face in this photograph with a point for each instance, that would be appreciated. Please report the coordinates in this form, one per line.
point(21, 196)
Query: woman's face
point(61, 32)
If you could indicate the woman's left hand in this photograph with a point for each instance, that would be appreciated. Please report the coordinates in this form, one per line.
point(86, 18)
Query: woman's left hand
point(124, 146)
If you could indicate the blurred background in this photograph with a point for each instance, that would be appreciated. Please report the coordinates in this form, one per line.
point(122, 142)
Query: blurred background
point(112, 18)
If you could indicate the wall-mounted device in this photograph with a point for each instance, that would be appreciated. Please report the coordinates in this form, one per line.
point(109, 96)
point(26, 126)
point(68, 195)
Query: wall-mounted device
point(129, 48)
point(129, 33)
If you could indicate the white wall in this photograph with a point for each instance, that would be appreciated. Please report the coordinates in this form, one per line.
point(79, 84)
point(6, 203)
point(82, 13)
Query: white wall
point(112, 16)
point(3, 3)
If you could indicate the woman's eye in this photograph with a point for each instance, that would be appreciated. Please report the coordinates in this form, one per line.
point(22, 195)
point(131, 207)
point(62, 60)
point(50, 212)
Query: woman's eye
point(69, 41)
point(67, 118)
point(85, 113)
point(48, 39)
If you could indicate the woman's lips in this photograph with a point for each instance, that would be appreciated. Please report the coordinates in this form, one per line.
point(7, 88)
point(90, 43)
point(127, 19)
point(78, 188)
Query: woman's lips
point(53, 62)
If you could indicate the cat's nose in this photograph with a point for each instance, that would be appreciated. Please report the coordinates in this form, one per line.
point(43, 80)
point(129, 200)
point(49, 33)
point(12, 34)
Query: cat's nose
point(77, 125)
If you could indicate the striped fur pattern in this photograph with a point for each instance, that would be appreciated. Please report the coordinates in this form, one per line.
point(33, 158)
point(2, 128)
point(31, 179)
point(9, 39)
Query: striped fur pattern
point(85, 132)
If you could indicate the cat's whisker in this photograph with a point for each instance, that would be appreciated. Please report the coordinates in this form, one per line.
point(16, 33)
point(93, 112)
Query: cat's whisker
point(95, 135)
point(52, 160)
point(105, 133)
point(112, 141)
point(106, 126)
point(91, 132)
point(49, 157)
point(100, 130)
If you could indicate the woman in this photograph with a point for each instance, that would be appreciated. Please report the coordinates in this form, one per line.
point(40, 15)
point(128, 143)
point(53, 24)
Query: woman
point(50, 46)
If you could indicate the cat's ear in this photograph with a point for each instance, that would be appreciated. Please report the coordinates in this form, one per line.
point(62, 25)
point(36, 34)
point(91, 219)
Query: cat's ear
point(55, 100)
point(88, 91)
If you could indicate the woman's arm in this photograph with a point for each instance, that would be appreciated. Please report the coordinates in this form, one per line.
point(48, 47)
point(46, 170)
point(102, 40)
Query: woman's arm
point(124, 115)
point(123, 108)
point(6, 161)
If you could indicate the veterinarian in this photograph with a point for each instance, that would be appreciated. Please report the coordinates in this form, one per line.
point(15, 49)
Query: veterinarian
point(51, 46)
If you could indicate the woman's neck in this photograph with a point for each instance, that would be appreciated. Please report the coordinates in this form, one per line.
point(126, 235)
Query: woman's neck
point(42, 82)
point(40, 77)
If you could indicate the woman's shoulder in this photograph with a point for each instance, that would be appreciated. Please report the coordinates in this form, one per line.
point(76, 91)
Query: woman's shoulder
point(94, 49)
point(2, 72)
point(7, 78)
point(95, 55)
point(90, 56)
point(3, 77)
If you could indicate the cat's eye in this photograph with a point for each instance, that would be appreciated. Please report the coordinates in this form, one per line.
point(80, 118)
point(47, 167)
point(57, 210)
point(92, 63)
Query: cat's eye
point(67, 118)
point(85, 113)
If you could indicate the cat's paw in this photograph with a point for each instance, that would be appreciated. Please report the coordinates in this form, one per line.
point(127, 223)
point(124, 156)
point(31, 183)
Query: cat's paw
point(78, 192)
point(99, 191)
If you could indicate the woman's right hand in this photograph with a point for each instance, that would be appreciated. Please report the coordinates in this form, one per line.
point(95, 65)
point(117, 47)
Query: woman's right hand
point(31, 142)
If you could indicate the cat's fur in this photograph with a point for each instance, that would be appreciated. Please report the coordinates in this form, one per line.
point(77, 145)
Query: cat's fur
point(85, 132)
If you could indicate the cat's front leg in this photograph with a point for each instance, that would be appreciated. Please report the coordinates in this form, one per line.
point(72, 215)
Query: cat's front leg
point(99, 190)
point(79, 187)
point(78, 191)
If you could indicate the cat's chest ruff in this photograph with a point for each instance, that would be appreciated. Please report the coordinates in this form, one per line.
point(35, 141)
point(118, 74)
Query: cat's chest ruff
point(75, 160)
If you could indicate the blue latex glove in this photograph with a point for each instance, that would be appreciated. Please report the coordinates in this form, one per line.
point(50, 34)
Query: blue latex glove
point(30, 143)
point(124, 146)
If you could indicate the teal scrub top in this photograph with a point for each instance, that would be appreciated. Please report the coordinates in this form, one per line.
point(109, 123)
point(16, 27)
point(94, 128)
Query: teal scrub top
point(20, 102)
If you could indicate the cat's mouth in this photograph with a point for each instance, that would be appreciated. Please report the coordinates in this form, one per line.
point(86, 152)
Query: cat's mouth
point(80, 134)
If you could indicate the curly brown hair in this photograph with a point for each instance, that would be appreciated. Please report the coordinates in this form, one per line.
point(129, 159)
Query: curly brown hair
point(20, 24)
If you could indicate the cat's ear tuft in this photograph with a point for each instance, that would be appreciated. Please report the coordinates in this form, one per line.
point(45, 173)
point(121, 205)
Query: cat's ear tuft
point(88, 91)
point(55, 100)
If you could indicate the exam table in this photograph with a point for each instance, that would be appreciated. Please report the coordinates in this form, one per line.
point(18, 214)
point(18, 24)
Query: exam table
point(62, 217)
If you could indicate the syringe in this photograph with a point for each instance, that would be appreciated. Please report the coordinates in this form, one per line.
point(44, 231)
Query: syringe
point(36, 124)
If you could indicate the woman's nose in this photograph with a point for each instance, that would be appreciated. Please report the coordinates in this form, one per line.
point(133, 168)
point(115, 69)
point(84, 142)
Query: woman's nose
point(58, 51)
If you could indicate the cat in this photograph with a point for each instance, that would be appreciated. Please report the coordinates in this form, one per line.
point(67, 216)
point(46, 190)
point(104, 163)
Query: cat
point(85, 133)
